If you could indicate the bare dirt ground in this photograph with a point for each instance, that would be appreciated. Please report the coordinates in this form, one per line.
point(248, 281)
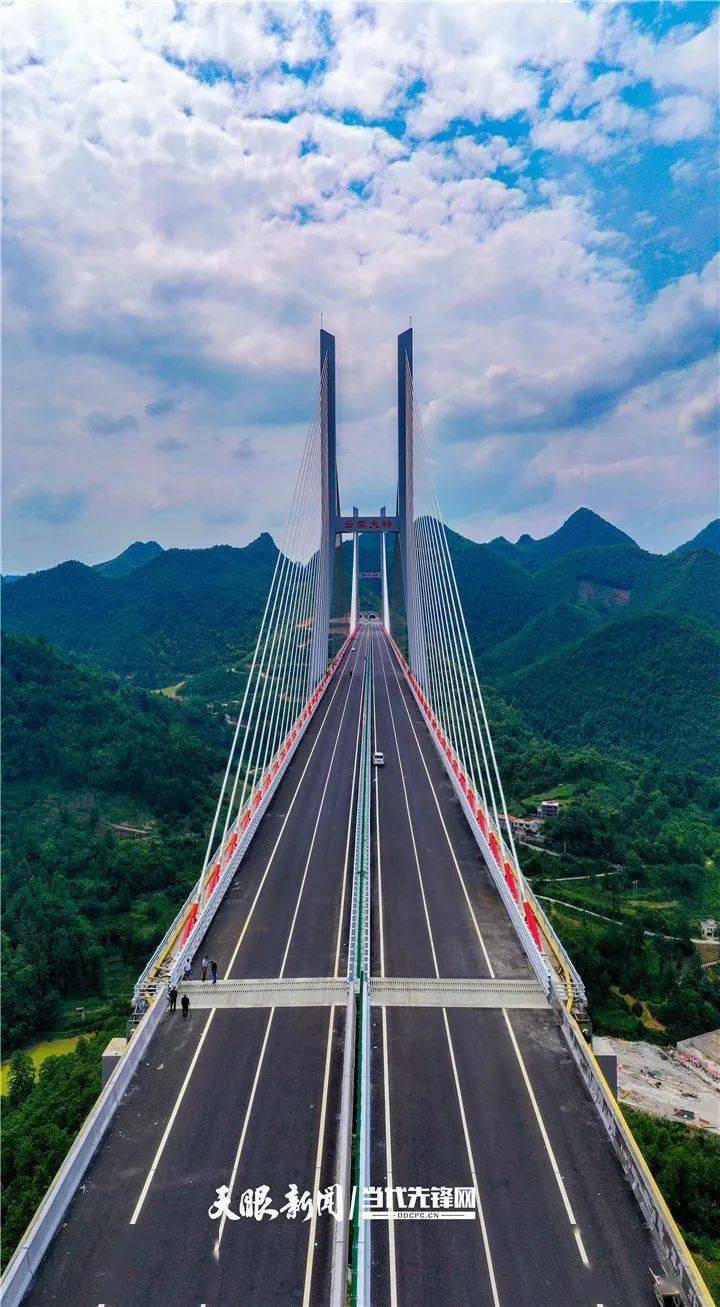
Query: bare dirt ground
point(669, 1082)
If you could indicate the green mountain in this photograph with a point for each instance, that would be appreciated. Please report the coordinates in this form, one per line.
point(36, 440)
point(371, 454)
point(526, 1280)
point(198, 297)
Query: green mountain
point(619, 579)
point(708, 538)
point(84, 758)
point(191, 615)
point(643, 686)
point(136, 555)
point(183, 611)
point(499, 596)
point(582, 530)
point(552, 630)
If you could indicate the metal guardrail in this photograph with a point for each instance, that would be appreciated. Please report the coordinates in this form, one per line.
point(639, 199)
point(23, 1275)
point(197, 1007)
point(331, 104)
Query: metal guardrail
point(348, 1255)
point(360, 1280)
point(343, 1255)
point(343, 1168)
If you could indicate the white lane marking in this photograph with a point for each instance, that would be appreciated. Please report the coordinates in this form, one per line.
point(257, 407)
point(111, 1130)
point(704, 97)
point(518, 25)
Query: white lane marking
point(308, 860)
point(381, 922)
point(328, 1049)
point(171, 1121)
point(346, 863)
point(581, 1246)
point(468, 1145)
point(389, 1163)
point(456, 864)
point(246, 1122)
point(282, 828)
point(318, 1164)
point(458, 1090)
point(412, 832)
point(208, 1023)
point(316, 827)
point(528, 1084)
point(386, 1067)
point(541, 1123)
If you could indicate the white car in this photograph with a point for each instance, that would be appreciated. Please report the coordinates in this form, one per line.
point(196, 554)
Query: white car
point(378, 759)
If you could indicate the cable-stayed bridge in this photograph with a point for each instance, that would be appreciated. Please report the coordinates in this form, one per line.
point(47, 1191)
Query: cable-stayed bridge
point(387, 1097)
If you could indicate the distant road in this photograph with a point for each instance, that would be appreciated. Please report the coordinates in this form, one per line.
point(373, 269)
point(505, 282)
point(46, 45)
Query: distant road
point(614, 921)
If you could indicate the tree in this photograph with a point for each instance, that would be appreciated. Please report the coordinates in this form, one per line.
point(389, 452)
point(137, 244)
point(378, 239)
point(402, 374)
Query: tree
point(22, 1078)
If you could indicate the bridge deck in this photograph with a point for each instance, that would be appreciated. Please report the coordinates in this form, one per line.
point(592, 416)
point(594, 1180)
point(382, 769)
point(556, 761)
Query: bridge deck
point(268, 1077)
point(455, 1090)
point(479, 1094)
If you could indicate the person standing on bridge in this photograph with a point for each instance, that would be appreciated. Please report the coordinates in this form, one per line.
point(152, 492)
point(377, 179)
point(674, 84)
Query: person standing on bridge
point(188, 968)
point(213, 968)
point(172, 998)
point(204, 968)
point(185, 1005)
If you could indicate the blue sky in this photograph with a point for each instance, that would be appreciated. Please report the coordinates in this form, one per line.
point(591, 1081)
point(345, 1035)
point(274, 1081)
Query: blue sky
point(187, 187)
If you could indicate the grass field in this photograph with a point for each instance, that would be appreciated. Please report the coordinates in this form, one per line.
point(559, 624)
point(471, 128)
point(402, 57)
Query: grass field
point(39, 1052)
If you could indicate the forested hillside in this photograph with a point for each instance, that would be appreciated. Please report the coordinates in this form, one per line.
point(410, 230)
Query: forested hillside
point(708, 538)
point(648, 685)
point(83, 906)
point(136, 555)
point(553, 629)
point(182, 612)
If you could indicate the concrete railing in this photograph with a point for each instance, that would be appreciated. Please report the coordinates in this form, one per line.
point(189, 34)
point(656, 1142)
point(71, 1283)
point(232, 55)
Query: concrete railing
point(672, 1249)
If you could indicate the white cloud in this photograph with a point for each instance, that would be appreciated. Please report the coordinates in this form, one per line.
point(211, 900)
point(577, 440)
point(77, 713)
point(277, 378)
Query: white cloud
point(682, 118)
point(166, 236)
point(684, 60)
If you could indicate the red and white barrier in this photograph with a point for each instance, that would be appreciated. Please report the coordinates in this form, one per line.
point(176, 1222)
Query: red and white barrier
point(506, 875)
point(226, 861)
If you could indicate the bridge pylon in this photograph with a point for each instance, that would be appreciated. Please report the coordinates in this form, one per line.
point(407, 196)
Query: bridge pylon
point(406, 505)
point(334, 524)
point(329, 508)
